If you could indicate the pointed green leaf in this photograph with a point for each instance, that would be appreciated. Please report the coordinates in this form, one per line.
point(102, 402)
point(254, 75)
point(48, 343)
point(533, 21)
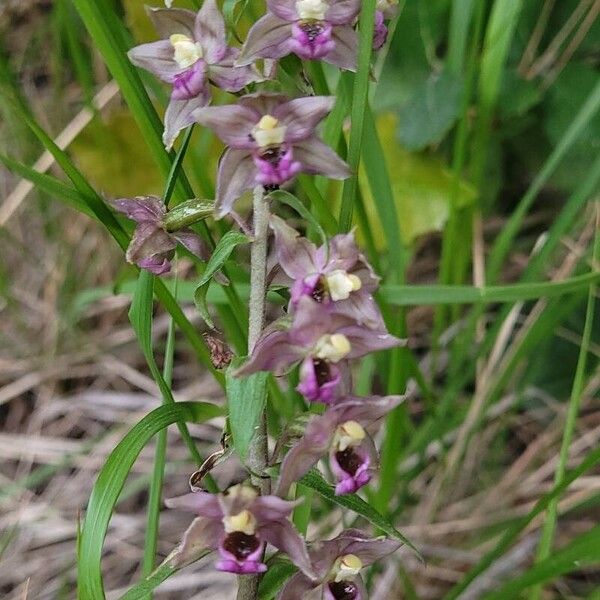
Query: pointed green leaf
point(220, 255)
point(314, 480)
point(246, 398)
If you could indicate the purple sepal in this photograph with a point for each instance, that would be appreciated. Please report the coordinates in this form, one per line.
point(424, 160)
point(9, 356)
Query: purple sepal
point(190, 83)
point(246, 568)
point(380, 31)
point(249, 564)
point(350, 482)
point(319, 380)
point(276, 166)
point(311, 40)
point(155, 264)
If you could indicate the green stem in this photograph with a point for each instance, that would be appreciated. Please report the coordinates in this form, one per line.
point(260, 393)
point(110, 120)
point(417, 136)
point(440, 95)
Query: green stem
point(258, 453)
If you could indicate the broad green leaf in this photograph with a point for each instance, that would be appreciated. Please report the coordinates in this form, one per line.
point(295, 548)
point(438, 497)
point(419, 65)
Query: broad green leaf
point(422, 188)
point(111, 479)
point(272, 581)
point(582, 552)
point(431, 111)
point(219, 256)
point(356, 504)
point(246, 398)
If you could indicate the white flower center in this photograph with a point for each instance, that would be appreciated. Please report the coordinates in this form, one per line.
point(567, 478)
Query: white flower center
point(187, 52)
point(341, 284)
point(268, 132)
point(347, 566)
point(384, 5)
point(333, 348)
point(348, 434)
point(312, 9)
point(246, 492)
point(244, 521)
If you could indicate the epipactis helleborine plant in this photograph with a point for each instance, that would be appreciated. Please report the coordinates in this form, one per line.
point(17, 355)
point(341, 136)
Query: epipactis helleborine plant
point(322, 340)
point(238, 524)
point(193, 53)
point(270, 140)
point(344, 432)
point(335, 274)
point(337, 564)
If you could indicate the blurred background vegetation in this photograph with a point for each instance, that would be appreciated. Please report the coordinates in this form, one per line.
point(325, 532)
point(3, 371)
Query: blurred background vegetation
point(482, 108)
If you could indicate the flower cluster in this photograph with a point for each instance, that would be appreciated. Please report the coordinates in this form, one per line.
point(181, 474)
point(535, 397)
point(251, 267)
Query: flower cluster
point(332, 317)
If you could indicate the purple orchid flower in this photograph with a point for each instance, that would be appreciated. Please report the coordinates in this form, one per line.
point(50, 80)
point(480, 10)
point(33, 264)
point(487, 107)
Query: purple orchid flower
point(153, 243)
point(193, 52)
point(311, 29)
point(271, 138)
point(238, 524)
point(337, 564)
point(322, 341)
point(386, 9)
point(344, 432)
point(336, 274)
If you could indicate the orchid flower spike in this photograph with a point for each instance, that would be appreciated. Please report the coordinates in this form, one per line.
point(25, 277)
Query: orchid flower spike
point(336, 274)
point(192, 53)
point(157, 231)
point(322, 341)
point(238, 524)
point(344, 433)
point(271, 138)
point(337, 564)
point(311, 29)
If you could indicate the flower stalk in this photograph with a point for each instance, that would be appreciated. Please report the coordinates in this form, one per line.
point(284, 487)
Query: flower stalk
point(258, 453)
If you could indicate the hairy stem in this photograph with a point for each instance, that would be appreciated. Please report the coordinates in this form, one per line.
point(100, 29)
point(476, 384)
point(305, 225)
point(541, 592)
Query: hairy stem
point(258, 453)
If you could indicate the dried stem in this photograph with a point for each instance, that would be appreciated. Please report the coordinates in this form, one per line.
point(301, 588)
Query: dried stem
point(258, 453)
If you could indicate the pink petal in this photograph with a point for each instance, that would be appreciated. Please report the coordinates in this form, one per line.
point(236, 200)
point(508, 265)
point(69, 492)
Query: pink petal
point(296, 254)
point(156, 57)
point(302, 115)
point(173, 20)
point(233, 123)
point(284, 9)
point(268, 38)
point(318, 158)
point(202, 503)
point(345, 53)
point(342, 12)
point(236, 175)
point(210, 32)
point(179, 115)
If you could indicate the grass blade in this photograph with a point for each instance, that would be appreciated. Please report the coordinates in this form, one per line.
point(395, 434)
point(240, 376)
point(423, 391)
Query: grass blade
point(549, 528)
point(359, 101)
point(430, 295)
point(111, 479)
